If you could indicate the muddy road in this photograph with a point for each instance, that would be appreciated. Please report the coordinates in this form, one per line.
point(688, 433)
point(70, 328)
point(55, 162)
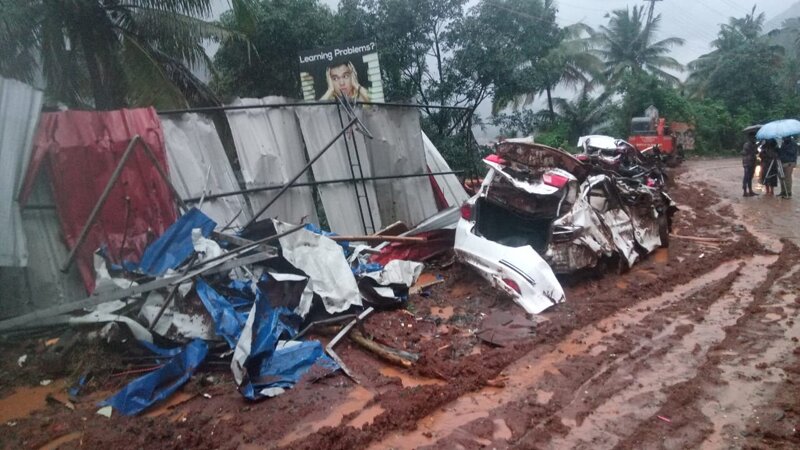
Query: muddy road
point(695, 347)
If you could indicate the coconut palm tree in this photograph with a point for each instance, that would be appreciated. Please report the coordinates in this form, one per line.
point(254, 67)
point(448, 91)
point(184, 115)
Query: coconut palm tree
point(569, 64)
point(739, 34)
point(626, 45)
point(585, 114)
point(110, 53)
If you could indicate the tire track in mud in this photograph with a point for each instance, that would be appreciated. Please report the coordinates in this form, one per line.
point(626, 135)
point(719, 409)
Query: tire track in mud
point(606, 411)
point(530, 376)
point(734, 394)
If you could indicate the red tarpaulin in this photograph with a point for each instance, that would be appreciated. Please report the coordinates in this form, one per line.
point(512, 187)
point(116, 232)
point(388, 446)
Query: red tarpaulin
point(81, 150)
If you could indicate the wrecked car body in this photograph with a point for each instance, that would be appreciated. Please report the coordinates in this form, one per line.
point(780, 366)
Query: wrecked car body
point(608, 154)
point(540, 211)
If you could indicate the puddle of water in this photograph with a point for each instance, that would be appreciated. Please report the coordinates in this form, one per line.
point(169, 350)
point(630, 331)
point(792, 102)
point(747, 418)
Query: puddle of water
point(25, 400)
point(408, 380)
point(173, 401)
point(501, 430)
point(356, 400)
point(445, 313)
point(366, 416)
point(55, 443)
point(529, 369)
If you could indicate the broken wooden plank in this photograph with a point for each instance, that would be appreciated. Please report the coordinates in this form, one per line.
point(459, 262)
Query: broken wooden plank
point(394, 229)
point(417, 288)
point(389, 354)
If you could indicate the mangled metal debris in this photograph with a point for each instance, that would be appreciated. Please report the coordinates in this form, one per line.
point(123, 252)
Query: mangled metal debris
point(542, 211)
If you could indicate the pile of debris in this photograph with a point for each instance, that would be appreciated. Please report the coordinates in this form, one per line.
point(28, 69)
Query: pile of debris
point(247, 299)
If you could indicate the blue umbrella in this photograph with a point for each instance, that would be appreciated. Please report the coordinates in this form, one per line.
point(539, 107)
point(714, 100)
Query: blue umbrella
point(779, 129)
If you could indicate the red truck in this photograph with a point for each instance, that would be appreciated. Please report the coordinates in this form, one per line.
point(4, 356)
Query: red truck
point(672, 140)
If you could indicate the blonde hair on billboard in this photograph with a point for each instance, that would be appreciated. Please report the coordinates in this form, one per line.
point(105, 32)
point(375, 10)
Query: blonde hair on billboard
point(361, 93)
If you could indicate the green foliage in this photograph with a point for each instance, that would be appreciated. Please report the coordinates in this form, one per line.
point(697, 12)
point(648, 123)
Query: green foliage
point(112, 53)
point(627, 47)
point(557, 134)
point(498, 45)
point(267, 63)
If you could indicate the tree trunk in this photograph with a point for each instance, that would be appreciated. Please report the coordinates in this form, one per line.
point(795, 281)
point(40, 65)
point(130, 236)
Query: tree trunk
point(550, 103)
point(102, 100)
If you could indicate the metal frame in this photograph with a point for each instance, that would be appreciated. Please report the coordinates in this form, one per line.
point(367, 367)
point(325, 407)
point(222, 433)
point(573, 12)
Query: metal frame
point(340, 103)
point(286, 105)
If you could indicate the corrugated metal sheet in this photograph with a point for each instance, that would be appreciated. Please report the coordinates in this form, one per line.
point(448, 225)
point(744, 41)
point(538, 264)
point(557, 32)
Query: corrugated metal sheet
point(41, 284)
point(340, 201)
point(452, 189)
point(20, 107)
point(271, 151)
point(197, 162)
point(397, 149)
point(82, 150)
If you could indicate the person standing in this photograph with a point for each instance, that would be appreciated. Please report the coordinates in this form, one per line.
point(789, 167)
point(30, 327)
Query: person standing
point(788, 156)
point(769, 169)
point(749, 152)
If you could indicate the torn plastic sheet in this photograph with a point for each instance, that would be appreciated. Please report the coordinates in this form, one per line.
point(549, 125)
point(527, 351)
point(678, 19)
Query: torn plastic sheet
point(388, 288)
point(291, 360)
point(107, 313)
point(174, 324)
point(398, 272)
point(156, 386)
point(175, 245)
point(263, 369)
point(227, 322)
point(323, 261)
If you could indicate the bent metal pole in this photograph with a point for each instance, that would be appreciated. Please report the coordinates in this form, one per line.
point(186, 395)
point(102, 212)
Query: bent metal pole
point(136, 140)
point(100, 202)
point(302, 171)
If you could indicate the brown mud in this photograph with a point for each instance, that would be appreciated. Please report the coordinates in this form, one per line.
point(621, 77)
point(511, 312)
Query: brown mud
point(693, 347)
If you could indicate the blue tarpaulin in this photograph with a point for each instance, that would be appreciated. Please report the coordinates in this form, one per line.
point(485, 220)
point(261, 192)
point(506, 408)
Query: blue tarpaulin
point(290, 361)
point(175, 245)
point(145, 391)
point(260, 369)
point(227, 322)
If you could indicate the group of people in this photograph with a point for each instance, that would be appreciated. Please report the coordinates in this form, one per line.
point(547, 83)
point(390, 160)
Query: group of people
point(777, 164)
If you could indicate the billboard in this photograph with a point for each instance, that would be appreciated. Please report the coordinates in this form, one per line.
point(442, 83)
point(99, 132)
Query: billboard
point(351, 69)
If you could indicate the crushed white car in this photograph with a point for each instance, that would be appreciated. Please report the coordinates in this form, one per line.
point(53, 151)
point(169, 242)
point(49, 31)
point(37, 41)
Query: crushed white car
point(541, 211)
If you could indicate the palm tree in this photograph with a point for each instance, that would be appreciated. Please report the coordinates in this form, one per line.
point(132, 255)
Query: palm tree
point(569, 64)
point(733, 36)
point(110, 53)
point(583, 115)
point(626, 46)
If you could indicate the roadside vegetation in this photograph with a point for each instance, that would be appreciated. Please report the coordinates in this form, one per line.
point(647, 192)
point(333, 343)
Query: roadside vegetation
point(512, 53)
